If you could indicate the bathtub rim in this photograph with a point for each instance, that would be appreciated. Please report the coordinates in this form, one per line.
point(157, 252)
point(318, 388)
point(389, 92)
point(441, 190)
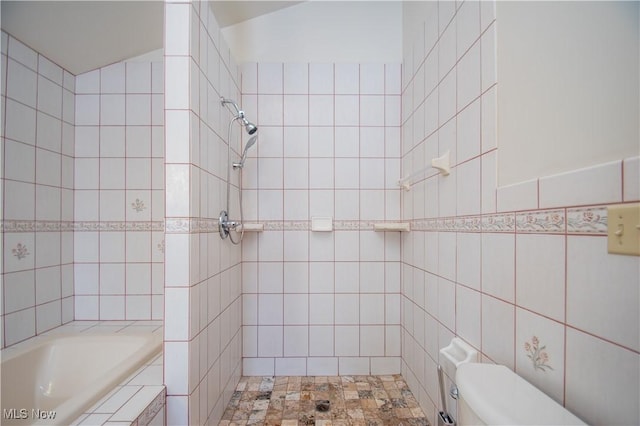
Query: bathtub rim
point(99, 388)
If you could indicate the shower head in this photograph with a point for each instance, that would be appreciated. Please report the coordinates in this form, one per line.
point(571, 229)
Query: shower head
point(249, 127)
point(249, 144)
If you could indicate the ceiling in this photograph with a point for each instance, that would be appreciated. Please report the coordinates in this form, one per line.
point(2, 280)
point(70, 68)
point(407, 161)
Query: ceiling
point(232, 12)
point(84, 35)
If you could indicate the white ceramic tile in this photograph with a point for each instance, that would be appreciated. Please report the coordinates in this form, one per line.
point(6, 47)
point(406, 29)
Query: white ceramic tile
point(138, 141)
point(176, 363)
point(631, 176)
point(111, 307)
point(270, 109)
point(372, 309)
point(138, 78)
point(468, 262)
point(353, 366)
point(372, 173)
point(467, 26)
point(20, 291)
point(498, 265)
point(270, 339)
point(270, 309)
point(468, 177)
point(270, 79)
point(347, 308)
point(112, 78)
point(177, 29)
point(591, 185)
point(372, 340)
point(297, 311)
point(468, 315)
point(22, 53)
point(296, 78)
point(347, 277)
point(138, 109)
point(372, 205)
point(258, 366)
point(321, 110)
point(597, 397)
point(112, 141)
point(488, 46)
point(49, 132)
point(88, 82)
point(446, 49)
point(85, 307)
point(321, 340)
point(321, 309)
point(371, 246)
point(86, 246)
point(489, 179)
point(498, 328)
point(347, 340)
point(371, 110)
point(112, 279)
point(21, 122)
point(372, 142)
point(321, 141)
point(21, 83)
point(393, 78)
point(372, 79)
point(540, 354)
point(347, 110)
point(447, 255)
point(599, 285)
point(468, 75)
point(296, 110)
point(296, 142)
point(540, 272)
point(291, 367)
point(87, 110)
point(468, 132)
point(347, 78)
point(322, 366)
point(372, 277)
point(296, 243)
point(22, 164)
point(49, 97)
point(321, 77)
point(519, 196)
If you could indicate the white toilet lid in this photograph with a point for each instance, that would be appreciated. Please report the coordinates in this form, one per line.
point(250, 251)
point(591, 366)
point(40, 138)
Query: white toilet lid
point(498, 396)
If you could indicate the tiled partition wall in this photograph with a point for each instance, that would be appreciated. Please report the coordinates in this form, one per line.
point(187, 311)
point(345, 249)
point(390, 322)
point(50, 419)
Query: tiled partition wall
point(522, 272)
point(37, 181)
point(202, 349)
point(119, 192)
point(322, 303)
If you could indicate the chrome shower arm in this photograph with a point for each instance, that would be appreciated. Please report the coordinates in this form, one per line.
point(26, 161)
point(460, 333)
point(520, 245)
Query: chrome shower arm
point(224, 101)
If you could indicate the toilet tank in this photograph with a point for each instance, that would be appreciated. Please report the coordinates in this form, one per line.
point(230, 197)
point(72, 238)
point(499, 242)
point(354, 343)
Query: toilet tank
point(494, 395)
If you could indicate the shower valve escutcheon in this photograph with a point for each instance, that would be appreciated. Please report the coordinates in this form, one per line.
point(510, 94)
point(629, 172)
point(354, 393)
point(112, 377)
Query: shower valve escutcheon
point(225, 226)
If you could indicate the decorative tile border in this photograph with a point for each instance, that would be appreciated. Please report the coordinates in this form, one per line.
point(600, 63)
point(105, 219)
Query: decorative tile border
point(541, 222)
point(590, 220)
point(583, 220)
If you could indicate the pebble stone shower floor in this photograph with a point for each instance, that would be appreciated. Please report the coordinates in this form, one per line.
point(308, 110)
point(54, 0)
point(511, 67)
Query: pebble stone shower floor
point(295, 400)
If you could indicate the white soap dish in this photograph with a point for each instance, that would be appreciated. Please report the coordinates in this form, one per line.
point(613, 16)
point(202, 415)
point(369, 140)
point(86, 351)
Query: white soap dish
point(458, 352)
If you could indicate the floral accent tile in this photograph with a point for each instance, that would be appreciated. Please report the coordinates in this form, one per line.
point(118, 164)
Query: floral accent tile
point(499, 223)
point(590, 220)
point(138, 205)
point(537, 354)
point(20, 251)
point(541, 221)
point(161, 246)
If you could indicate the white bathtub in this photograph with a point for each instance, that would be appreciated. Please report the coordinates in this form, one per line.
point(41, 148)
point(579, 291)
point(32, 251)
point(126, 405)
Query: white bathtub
point(67, 374)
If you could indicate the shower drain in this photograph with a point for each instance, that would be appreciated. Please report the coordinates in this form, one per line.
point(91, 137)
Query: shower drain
point(323, 405)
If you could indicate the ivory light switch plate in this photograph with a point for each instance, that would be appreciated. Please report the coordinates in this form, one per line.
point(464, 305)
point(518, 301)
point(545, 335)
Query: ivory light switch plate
point(623, 223)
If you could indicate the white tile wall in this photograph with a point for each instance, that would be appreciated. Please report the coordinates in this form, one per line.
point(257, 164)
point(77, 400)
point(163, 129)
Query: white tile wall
point(117, 177)
point(37, 96)
point(534, 277)
point(335, 156)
